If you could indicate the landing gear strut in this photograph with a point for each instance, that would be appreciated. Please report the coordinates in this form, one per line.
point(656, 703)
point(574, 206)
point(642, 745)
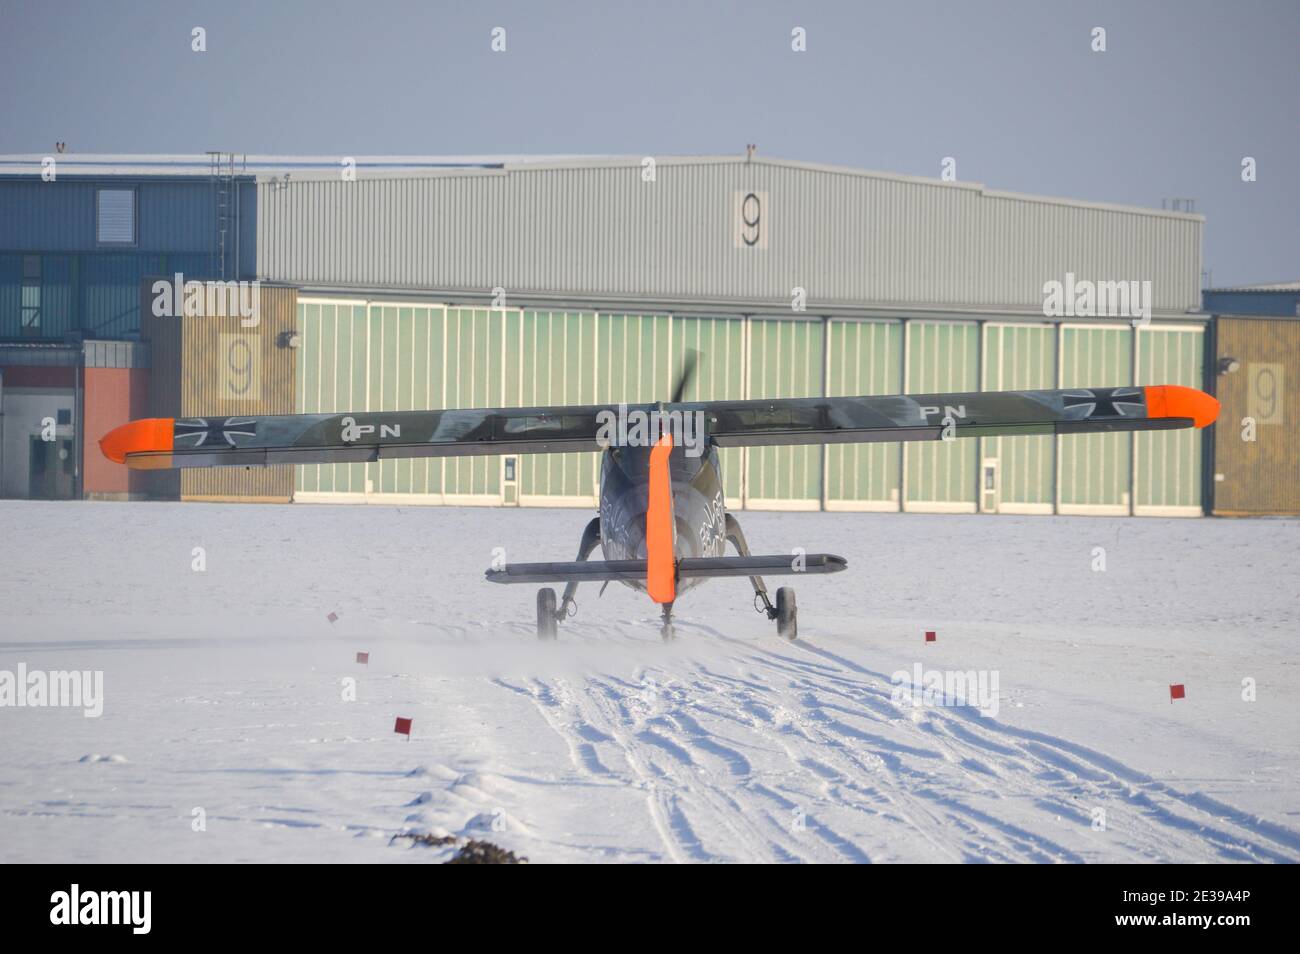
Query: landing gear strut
point(548, 614)
point(787, 622)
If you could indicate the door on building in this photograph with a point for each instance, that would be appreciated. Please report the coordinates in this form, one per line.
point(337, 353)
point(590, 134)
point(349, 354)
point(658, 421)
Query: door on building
point(51, 469)
point(36, 426)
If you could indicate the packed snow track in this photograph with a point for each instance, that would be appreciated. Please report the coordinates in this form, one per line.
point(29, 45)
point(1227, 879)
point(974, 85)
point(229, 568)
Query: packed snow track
point(237, 724)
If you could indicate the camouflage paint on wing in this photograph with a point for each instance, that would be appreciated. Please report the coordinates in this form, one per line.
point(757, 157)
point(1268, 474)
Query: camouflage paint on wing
point(919, 417)
point(376, 435)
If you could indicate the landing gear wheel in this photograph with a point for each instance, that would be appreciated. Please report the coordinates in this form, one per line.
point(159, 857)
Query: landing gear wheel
point(546, 617)
point(666, 630)
point(787, 614)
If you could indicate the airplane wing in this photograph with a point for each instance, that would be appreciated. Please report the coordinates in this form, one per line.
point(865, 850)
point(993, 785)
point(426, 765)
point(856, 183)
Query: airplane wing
point(160, 443)
point(922, 417)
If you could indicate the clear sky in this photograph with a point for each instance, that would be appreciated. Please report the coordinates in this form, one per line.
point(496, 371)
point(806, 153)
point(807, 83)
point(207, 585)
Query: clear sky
point(1012, 90)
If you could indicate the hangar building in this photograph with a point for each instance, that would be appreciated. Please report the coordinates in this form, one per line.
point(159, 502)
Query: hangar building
point(474, 281)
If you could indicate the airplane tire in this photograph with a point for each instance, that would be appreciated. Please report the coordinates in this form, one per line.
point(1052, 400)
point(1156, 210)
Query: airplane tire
point(787, 614)
point(546, 619)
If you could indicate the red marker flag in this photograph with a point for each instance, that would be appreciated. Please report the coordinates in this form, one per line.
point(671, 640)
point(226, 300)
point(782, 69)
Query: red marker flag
point(363, 658)
point(403, 727)
point(929, 635)
point(333, 617)
point(1177, 692)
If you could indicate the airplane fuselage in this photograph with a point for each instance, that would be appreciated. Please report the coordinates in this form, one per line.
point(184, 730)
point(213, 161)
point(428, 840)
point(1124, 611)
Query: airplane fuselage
point(699, 507)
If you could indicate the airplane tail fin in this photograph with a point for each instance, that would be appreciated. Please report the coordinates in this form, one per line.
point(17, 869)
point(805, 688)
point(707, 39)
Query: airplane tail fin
point(660, 528)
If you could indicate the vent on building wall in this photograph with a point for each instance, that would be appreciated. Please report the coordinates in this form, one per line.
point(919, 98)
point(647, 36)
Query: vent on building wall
point(115, 216)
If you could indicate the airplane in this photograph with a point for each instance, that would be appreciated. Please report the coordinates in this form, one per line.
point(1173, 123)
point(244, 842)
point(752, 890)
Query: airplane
point(663, 525)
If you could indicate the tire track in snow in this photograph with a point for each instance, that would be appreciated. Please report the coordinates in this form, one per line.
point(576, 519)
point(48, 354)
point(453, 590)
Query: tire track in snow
point(675, 834)
point(850, 775)
point(1071, 766)
point(911, 794)
point(736, 743)
point(695, 786)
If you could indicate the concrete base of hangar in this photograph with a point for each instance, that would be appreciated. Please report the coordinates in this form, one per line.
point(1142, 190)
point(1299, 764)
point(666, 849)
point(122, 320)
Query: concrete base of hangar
point(228, 498)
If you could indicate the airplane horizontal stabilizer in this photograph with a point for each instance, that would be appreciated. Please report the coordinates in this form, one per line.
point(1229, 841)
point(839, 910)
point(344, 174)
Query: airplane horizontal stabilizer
point(586, 571)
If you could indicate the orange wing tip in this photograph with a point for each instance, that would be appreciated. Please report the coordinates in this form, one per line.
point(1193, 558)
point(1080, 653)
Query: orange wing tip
point(152, 435)
point(1174, 400)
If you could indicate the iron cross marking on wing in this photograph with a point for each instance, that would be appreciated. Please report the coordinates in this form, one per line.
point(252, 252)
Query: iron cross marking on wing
point(1103, 402)
point(208, 432)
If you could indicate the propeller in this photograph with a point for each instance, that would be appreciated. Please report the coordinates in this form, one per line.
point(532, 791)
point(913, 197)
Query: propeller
point(684, 377)
point(689, 360)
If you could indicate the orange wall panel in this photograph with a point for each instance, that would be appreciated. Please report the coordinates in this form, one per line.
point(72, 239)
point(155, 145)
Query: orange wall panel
point(113, 396)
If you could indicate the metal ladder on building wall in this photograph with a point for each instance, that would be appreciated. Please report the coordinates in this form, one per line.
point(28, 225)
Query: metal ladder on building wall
point(225, 197)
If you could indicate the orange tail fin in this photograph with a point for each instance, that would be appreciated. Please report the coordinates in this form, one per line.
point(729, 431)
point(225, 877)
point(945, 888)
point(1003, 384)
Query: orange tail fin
point(661, 567)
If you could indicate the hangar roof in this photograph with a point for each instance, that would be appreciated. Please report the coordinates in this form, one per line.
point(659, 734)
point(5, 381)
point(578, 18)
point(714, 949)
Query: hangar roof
point(201, 164)
point(268, 167)
point(721, 232)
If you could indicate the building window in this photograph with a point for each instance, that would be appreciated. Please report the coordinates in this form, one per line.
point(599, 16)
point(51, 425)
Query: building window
point(31, 295)
point(115, 216)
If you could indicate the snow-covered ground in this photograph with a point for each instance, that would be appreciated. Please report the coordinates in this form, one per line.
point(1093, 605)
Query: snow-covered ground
point(224, 691)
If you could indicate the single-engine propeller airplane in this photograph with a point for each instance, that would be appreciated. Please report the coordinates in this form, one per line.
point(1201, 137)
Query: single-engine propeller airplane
point(663, 524)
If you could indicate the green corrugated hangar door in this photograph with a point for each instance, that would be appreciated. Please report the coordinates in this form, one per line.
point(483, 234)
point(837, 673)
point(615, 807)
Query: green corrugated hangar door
point(358, 356)
point(393, 357)
point(332, 372)
point(863, 357)
point(1094, 468)
point(940, 475)
point(411, 347)
point(1017, 473)
point(719, 375)
point(427, 391)
point(1167, 464)
point(405, 343)
point(785, 360)
point(634, 359)
point(559, 367)
point(476, 340)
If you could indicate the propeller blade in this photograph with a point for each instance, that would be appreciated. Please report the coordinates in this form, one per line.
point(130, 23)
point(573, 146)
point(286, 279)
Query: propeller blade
point(685, 375)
